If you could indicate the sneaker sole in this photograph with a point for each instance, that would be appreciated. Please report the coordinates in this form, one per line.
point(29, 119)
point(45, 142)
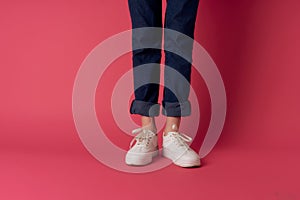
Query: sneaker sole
point(175, 160)
point(140, 159)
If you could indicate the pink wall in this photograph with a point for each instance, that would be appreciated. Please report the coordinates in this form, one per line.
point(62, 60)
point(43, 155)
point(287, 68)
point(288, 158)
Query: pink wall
point(254, 43)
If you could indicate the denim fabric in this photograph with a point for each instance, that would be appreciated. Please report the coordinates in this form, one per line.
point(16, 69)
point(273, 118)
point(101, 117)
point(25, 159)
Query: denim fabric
point(180, 16)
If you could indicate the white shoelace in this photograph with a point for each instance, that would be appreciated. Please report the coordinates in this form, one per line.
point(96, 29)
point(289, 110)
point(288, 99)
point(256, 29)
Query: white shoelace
point(181, 139)
point(143, 138)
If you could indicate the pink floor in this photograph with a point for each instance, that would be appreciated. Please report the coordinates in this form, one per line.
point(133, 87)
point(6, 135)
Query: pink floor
point(256, 47)
point(49, 170)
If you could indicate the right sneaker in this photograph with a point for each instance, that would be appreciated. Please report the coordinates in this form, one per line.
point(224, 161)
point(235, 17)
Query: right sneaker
point(175, 147)
point(142, 148)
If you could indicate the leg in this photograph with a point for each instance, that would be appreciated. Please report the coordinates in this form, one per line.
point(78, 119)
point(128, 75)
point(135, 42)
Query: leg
point(149, 123)
point(172, 124)
point(181, 17)
point(146, 61)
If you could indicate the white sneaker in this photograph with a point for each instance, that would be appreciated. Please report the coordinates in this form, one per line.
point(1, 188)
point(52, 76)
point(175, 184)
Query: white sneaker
point(145, 148)
point(176, 149)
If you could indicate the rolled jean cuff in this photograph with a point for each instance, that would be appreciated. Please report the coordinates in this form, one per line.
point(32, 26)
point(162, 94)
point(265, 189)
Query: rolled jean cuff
point(144, 108)
point(176, 109)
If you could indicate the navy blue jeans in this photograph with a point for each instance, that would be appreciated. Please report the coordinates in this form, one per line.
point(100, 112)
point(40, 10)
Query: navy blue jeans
point(180, 16)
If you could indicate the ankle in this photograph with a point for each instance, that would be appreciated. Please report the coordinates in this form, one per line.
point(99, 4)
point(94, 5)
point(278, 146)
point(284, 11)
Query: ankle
point(149, 123)
point(173, 128)
point(151, 128)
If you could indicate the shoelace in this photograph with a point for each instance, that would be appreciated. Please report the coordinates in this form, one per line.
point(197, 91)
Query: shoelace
point(181, 139)
point(143, 137)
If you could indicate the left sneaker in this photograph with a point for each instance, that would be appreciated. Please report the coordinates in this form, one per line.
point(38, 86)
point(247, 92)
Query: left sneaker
point(144, 149)
point(175, 147)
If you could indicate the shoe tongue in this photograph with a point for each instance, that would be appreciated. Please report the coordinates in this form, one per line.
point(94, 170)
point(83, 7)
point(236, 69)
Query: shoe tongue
point(148, 132)
point(172, 133)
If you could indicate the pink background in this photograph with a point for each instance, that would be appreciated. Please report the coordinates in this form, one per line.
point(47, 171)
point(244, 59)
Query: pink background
point(256, 46)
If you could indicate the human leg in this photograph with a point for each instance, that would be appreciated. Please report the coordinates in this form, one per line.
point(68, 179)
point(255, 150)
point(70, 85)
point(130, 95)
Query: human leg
point(146, 61)
point(146, 69)
point(181, 17)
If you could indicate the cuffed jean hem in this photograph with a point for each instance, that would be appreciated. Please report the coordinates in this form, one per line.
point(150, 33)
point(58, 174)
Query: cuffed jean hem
point(144, 108)
point(176, 109)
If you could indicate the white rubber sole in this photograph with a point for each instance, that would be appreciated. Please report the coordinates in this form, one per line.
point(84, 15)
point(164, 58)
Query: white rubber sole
point(179, 162)
point(140, 159)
